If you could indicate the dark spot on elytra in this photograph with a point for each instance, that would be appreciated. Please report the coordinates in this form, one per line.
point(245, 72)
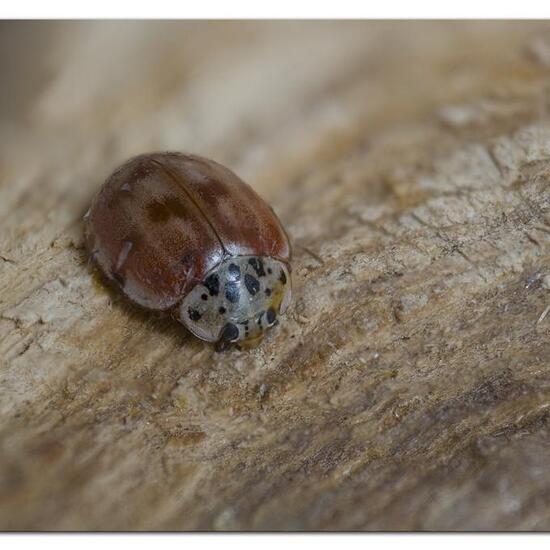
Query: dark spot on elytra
point(271, 315)
point(212, 283)
point(234, 272)
point(252, 284)
point(222, 310)
point(157, 211)
point(194, 315)
point(269, 270)
point(204, 297)
point(161, 211)
point(268, 292)
point(258, 265)
point(232, 292)
point(282, 277)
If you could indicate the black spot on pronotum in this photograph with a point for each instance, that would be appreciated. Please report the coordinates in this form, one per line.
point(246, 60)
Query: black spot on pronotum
point(269, 270)
point(194, 315)
point(204, 297)
point(212, 283)
point(234, 272)
point(176, 207)
point(282, 277)
point(222, 310)
point(252, 284)
point(271, 315)
point(232, 292)
point(258, 265)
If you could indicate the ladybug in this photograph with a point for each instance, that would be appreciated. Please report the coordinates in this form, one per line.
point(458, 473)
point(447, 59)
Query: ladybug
point(184, 235)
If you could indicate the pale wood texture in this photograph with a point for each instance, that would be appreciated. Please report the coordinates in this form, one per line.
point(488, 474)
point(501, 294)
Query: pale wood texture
point(409, 386)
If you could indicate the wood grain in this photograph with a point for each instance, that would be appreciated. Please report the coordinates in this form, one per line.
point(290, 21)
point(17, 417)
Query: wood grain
point(408, 387)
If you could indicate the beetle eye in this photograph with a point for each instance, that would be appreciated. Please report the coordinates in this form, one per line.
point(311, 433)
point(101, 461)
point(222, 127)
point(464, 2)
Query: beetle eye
point(229, 333)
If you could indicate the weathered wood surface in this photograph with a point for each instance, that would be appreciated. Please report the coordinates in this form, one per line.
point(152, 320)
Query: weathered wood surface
point(409, 386)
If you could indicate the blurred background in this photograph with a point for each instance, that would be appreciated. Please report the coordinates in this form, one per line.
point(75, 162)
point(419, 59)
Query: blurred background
point(270, 99)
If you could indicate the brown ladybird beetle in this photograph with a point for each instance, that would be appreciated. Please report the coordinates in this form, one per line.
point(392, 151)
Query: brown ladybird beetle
point(184, 235)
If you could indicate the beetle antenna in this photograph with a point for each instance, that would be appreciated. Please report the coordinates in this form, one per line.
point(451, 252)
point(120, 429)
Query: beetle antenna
point(311, 253)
